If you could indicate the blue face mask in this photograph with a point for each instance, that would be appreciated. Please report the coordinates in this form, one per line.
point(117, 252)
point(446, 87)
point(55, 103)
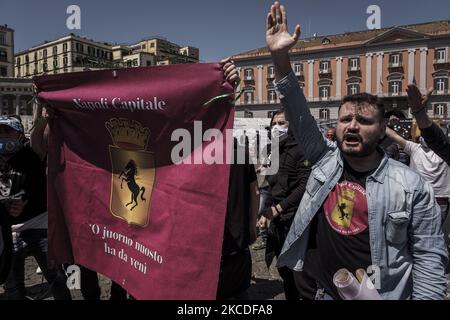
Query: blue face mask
point(10, 145)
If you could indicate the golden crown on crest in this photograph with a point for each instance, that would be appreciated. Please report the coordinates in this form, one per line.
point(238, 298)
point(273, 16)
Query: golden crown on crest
point(128, 133)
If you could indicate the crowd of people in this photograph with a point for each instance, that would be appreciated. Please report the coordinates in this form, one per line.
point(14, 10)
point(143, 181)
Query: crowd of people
point(345, 199)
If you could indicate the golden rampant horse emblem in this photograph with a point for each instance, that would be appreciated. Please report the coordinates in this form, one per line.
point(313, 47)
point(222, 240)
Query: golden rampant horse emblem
point(343, 211)
point(133, 171)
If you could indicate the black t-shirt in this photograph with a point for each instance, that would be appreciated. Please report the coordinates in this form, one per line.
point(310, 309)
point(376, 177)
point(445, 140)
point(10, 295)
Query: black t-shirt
point(237, 220)
point(339, 233)
point(25, 172)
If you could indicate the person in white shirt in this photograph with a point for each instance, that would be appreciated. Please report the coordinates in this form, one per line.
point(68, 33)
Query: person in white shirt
point(434, 170)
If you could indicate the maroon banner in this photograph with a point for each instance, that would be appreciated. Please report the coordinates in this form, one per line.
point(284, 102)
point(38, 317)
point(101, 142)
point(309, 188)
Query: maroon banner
point(117, 202)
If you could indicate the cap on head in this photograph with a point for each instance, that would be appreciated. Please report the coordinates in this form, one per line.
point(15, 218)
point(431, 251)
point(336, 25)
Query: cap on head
point(11, 122)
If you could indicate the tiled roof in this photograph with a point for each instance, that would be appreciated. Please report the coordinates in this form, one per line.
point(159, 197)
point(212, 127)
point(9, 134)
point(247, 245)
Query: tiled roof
point(354, 38)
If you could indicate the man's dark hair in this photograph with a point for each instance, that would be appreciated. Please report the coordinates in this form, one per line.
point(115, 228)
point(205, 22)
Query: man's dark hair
point(281, 111)
point(365, 98)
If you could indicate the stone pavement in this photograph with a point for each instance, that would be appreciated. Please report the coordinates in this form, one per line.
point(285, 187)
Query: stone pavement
point(266, 283)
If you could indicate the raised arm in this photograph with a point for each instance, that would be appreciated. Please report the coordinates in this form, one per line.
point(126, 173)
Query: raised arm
point(279, 42)
point(434, 137)
point(396, 137)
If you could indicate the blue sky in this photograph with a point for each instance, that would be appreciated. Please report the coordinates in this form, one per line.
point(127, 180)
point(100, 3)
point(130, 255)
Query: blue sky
point(218, 28)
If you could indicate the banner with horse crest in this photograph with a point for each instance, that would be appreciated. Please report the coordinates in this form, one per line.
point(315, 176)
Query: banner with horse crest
point(119, 202)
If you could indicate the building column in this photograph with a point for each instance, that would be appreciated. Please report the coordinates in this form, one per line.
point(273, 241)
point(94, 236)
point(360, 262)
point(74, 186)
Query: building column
point(423, 70)
point(17, 105)
point(379, 73)
point(260, 83)
point(310, 79)
point(238, 88)
point(369, 72)
point(338, 77)
point(411, 65)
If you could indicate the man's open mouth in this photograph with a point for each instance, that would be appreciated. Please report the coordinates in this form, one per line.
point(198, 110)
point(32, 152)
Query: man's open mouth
point(351, 139)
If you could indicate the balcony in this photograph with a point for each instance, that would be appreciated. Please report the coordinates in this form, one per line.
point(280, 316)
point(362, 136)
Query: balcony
point(441, 92)
point(395, 65)
point(441, 63)
point(325, 73)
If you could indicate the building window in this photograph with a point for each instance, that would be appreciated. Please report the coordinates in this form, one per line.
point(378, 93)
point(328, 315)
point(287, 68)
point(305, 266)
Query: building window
point(271, 96)
point(440, 55)
point(441, 85)
point(2, 38)
point(324, 66)
point(298, 69)
point(395, 88)
point(3, 56)
point(18, 62)
point(440, 110)
point(248, 74)
point(65, 61)
point(152, 45)
point(55, 63)
point(65, 47)
point(3, 72)
point(45, 66)
point(353, 64)
point(55, 50)
point(248, 97)
point(44, 53)
point(324, 92)
point(35, 56)
point(395, 60)
point(353, 88)
point(271, 72)
point(324, 114)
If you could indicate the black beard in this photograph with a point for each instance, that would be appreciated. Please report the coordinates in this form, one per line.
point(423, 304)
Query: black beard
point(368, 148)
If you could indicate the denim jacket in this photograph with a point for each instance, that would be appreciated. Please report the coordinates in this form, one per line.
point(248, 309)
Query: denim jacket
point(406, 241)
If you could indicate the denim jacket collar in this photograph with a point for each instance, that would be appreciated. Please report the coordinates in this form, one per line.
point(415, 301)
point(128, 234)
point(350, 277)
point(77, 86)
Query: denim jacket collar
point(379, 174)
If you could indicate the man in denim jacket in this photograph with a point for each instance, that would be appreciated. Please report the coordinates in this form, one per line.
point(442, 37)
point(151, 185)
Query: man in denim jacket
point(360, 210)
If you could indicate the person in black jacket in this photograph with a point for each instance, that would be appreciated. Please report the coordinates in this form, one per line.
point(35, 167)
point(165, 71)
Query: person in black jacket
point(287, 188)
point(5, 245)
point(23, 197)
point(433, 135)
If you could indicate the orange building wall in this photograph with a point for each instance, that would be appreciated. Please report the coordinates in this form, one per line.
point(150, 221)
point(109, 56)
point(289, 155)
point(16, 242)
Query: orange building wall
point(405, 70)
point(362, 67)
point(316, 78)
point(374, 74)
point(385, 87)
point(333, 64)
point(430, 68)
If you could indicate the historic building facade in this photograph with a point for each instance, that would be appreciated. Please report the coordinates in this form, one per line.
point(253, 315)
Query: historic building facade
point(380, 62)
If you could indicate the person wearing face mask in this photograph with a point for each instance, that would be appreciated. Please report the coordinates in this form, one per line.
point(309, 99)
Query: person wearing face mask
point(23, 197)
point(286, 189)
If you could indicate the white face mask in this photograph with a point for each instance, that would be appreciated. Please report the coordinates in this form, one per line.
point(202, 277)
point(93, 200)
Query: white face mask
point(279, 131)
